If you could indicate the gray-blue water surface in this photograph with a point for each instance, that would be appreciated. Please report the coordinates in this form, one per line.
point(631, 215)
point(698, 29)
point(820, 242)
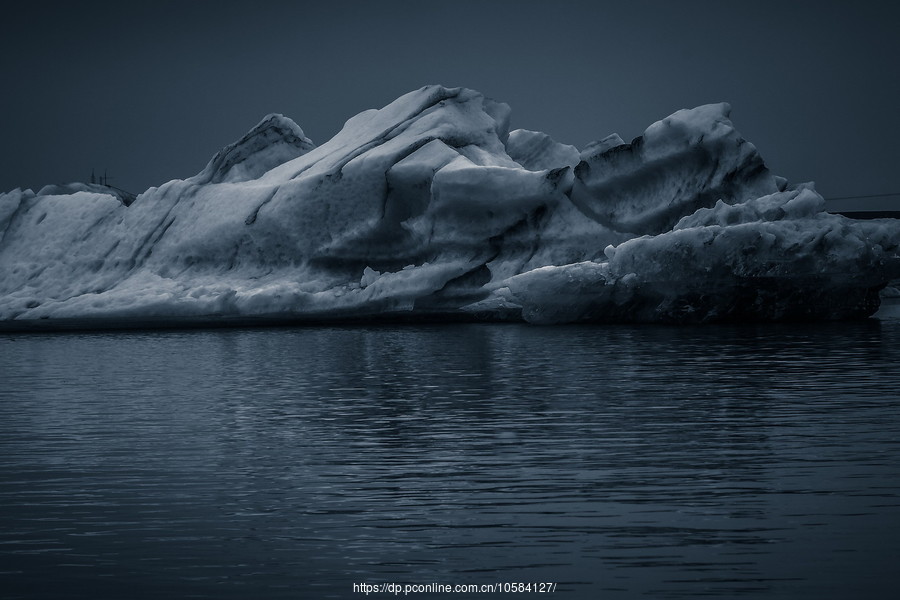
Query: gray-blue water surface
point(618, 462)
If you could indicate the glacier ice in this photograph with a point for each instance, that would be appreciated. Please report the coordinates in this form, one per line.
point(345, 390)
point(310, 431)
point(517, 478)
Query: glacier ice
point(684, 162)
point(273, 141)
point(777, 257)
point(432, 208)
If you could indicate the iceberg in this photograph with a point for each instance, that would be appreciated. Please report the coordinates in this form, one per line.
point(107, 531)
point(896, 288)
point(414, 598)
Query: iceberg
point(431, 208)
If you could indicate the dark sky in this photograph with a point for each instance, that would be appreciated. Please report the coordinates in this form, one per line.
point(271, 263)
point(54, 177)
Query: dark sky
point(151, 90)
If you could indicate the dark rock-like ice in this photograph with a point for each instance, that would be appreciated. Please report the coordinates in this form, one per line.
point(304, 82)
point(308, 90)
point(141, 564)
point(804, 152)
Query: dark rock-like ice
point(431, 208)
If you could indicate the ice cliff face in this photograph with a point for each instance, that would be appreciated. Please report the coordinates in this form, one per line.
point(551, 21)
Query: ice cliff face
point(431, 208)
point(778, 257)
point(684, 162)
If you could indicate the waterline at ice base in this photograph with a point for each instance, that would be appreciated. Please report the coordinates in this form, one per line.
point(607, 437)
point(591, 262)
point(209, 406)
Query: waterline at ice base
point(432, 209)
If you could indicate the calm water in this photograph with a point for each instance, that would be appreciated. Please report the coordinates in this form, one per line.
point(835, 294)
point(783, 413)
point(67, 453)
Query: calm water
point(619, 462)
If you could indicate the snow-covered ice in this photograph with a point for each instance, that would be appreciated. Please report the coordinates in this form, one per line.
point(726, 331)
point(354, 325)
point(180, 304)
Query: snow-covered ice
point(431, 208)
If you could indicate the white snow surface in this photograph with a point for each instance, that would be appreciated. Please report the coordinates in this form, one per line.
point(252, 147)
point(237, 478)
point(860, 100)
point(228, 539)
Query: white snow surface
point(431, 208)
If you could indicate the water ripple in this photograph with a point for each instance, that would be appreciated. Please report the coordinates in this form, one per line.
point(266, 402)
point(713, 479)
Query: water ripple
point(618, 461)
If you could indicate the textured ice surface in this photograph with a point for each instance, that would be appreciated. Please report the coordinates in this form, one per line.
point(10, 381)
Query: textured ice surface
point(431, 208)
point(772, 258)
point(684, 162)
point(275, 140)
point(535, 150)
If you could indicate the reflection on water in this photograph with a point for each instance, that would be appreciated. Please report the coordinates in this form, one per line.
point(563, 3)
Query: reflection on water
point(290, 463)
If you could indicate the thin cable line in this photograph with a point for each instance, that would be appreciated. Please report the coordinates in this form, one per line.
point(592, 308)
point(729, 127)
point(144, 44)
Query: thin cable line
point(867, 196)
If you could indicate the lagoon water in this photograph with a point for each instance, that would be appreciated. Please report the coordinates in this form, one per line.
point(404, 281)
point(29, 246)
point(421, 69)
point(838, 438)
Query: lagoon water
point(618, 462)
